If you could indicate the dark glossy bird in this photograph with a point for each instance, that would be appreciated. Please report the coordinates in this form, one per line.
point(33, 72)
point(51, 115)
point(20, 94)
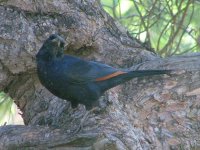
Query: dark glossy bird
point(78, 80)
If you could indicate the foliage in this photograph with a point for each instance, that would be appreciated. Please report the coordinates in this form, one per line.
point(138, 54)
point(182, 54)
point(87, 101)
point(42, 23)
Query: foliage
point(169, 26)
point(7, 109)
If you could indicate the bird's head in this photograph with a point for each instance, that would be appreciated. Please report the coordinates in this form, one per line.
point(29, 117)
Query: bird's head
point(53, 47)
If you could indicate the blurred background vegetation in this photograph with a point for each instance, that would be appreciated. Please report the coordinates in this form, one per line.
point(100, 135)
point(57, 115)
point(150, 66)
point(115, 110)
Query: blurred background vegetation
point(170, 27)
point(9, 113)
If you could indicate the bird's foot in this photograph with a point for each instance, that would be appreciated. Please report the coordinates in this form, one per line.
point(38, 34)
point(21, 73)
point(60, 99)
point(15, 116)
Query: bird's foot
point(85, 117)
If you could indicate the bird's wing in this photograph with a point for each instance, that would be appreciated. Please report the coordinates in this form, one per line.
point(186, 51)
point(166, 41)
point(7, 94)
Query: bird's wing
point(107, 71)
point(82, 71)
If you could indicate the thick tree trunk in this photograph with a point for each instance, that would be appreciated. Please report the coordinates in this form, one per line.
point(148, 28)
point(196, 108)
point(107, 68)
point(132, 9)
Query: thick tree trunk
point(160, 112)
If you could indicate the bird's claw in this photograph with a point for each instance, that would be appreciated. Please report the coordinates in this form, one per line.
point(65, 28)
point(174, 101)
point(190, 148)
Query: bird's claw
point(85, 117)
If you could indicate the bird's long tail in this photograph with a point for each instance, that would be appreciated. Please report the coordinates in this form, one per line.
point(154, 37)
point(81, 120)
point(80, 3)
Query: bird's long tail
point(112, 82)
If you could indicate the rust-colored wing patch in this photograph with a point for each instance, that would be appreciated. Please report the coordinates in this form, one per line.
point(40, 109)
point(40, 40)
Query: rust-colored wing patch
point(110, 76)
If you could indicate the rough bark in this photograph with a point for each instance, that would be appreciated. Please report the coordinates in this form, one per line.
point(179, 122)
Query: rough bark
point(160, 112)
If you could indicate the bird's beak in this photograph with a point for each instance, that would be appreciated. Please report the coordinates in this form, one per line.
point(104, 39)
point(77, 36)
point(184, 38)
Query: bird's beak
point(60, 41)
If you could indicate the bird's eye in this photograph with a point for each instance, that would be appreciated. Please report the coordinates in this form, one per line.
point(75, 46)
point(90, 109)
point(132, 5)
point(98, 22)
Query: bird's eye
point(52, 37)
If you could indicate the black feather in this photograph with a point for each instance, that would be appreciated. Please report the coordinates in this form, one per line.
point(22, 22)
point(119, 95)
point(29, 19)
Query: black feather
point(75, 79)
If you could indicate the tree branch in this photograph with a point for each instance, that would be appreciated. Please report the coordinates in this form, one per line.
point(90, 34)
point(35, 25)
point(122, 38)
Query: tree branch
point(145, 113)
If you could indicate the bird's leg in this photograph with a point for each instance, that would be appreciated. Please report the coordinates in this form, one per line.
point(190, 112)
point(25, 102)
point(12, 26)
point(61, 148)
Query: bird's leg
point(85, 117)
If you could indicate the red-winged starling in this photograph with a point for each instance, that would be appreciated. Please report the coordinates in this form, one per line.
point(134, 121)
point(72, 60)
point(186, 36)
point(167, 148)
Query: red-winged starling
point(78, 80)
